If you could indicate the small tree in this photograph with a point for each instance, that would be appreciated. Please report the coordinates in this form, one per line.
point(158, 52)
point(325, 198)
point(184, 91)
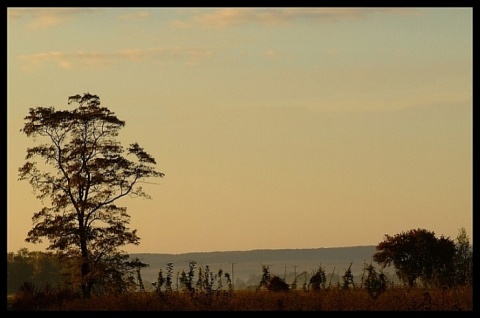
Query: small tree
point(265, 278)
point(159, 283)
point(208, 280)
point(137, 265)
point(169, 280)
point(463, 259)
point(200, 280)
point(84, 174)
point(318, 279)
point(277, 284)
point(416, 254)
point(186, 280)
point(271, 282)
point(219, 277)
point(229, 282)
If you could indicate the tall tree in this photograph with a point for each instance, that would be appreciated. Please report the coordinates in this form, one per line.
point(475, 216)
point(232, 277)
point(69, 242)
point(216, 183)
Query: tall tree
point(416, 254)
point(85, 172)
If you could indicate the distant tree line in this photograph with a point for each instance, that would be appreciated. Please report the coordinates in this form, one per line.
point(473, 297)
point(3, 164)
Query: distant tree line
point(49, 270)
point(416, 255)
point(38, 268)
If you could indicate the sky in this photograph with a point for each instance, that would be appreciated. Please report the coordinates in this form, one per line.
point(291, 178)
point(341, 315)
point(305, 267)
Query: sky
point(276, 128)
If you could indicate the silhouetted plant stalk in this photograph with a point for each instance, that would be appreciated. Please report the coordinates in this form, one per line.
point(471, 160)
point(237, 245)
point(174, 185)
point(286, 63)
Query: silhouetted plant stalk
point(159, 283)
point(229, 282)
point(348, 278)
point(305, 286)
point(331, 277)
point(168, 281)
point(207, 282)
point(186, 280)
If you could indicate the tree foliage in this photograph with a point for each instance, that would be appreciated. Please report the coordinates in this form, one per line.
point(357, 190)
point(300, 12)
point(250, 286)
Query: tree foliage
point(37, 268)
point(85, 172)
point(418, 254)
point(463, 259)
point(318, 280)
point(271, 282)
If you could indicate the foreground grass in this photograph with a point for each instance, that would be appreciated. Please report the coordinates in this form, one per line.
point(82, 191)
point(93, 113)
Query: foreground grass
point(333, 299)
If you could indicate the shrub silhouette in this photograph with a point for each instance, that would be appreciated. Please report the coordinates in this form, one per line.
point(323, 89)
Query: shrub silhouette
point(277, 284)
point(318, 279)
point(272, 282)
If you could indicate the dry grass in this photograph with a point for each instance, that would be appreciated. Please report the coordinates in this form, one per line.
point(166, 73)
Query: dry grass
point(334, 299)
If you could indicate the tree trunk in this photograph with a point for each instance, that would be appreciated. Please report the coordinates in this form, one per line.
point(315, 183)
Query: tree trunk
point(85, 268)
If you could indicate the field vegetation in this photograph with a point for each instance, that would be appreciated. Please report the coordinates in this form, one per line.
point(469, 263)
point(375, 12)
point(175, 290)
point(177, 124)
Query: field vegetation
point(203, 290)
point(330, 299)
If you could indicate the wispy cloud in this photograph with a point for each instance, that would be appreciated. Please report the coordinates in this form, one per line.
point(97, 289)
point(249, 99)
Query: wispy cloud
point(67, 60)
point(42, 18)
point(222, 18)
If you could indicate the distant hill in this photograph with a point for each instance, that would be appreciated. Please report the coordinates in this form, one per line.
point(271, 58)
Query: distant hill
point(247, 265)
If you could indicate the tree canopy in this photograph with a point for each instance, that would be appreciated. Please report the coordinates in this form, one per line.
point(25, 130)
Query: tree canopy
point(417, 254)
point(85, 172)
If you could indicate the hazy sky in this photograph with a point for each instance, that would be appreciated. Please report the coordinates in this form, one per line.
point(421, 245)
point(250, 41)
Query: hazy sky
point(275, 128)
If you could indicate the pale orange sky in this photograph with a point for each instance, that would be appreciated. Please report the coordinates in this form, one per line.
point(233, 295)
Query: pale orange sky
point(275, 128)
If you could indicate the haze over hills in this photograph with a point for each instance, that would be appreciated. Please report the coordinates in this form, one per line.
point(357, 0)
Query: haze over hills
point(247, 265)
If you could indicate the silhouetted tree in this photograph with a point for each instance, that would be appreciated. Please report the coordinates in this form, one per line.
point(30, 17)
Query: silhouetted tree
point(277, 284)
point(169, 279)
point(138, 265)
point(318, 279)
point(416, 254)
point(84, 173)
point(186, 279)
point(271, 282)
point(463, 259)
point(265, 277)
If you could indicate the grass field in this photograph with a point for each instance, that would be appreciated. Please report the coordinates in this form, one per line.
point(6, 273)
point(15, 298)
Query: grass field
point(332, 299)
